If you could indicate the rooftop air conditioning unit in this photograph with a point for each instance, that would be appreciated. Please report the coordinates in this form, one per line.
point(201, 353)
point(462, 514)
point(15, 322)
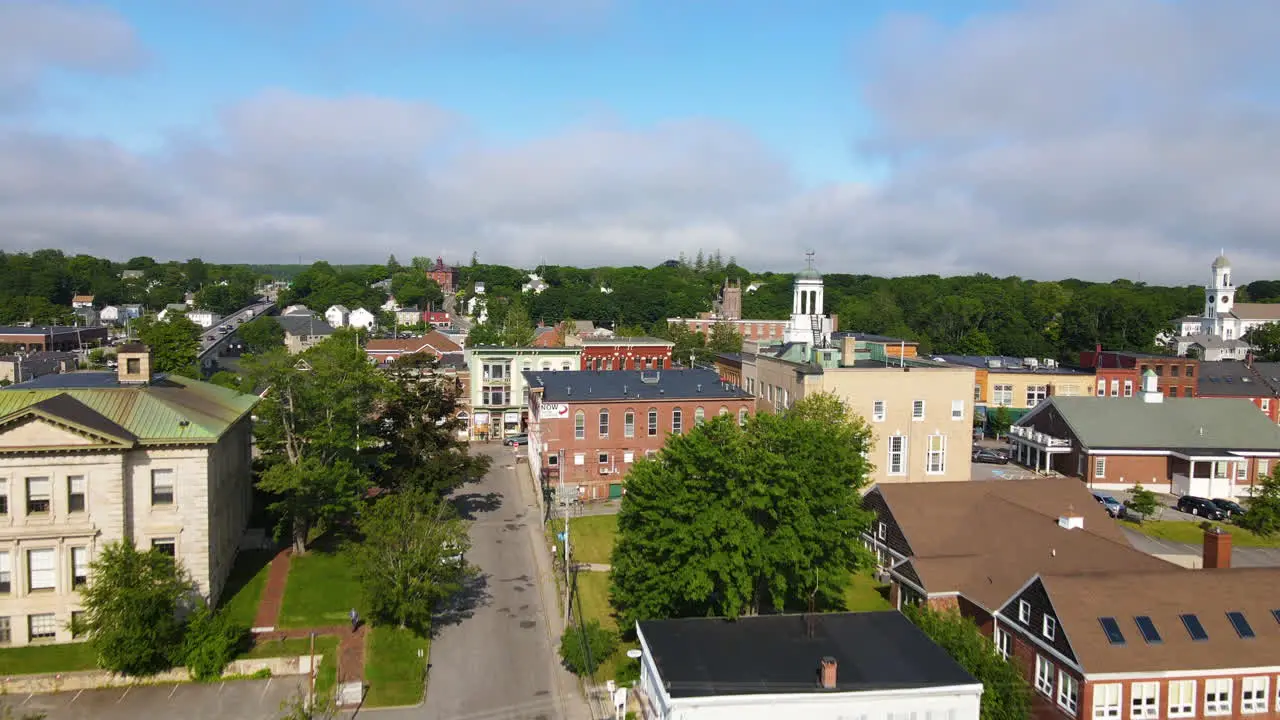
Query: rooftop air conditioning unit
point(994, 363)
point(1050, 363)
point(1030, 363)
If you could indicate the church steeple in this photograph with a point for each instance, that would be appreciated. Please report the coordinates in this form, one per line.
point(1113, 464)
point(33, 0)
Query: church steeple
point(1220, 293)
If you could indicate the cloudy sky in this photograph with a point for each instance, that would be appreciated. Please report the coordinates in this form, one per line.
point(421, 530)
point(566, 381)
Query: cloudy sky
point(1046, 138)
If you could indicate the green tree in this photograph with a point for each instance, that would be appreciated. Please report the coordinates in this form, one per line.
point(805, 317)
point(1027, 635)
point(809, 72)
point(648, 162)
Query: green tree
point(421, 430)
point(517, 328)
point(1005, 693)
point(584, 647)
point(1262, 512)
point(723, 339)
point(998, 422)
point(317, 408)
point(174, 343)
point(410, 557)
point(484, 334)
point(131, 608)
point(261, 334)
point(731, 520)
point(212, 640)
point(225, 299)
point(412, 288)
point(1143, 502)
point(1266, 341)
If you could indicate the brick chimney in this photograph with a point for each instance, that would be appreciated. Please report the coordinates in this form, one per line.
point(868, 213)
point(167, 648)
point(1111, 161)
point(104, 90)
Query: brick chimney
point(1217, 548)
point(827, 673)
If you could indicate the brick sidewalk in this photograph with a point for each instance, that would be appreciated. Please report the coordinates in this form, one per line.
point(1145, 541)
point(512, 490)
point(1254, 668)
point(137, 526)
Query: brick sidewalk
point(273, 594)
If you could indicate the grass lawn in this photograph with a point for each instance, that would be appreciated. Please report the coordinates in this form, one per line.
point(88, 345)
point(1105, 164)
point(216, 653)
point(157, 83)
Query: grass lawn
point(326, 645)
point(1189, 532)
point(244, 586)
point(392, 668)
point(322, 589)
point(34, 659)
point(865, 593)
point(592, 537)
point(593, 599)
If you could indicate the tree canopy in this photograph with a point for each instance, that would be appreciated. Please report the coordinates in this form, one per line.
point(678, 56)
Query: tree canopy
point(1005, 694)
point(1262, 511)
point(174, 343)
point(731, 520)
point(261, 334)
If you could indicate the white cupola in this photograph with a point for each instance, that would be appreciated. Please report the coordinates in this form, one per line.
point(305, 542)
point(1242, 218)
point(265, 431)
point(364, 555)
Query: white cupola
point(1219, 294)
point(1151, 387)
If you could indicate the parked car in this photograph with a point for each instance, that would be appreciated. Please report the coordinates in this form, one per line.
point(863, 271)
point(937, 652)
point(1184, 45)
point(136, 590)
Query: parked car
point(1109, 503)
point(1203, 507)
point(516, 440)
point(209, 337)
point(987, 455)
point(1230, 507)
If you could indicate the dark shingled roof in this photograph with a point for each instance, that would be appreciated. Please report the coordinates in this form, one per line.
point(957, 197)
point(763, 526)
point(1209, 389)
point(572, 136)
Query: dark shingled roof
point(74, 412)
point(639, 384)
point(706, 657)
point(304, 324)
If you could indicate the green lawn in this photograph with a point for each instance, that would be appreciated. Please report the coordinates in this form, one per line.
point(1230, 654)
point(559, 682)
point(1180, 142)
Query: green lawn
point(326, 645)
point(1189, 532)
point(244, 586)
point(34, 659)
point(865, 593)
point(322, 589)
point(392, 668)
point(593, 599)
point(592, 537)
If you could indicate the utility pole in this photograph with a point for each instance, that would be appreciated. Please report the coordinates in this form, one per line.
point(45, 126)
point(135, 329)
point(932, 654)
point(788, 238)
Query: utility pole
point(568, 579)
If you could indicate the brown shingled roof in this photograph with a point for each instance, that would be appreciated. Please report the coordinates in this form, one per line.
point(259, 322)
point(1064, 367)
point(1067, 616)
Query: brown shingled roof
point(434, 341)
point(1080, 600)
point(986, 539)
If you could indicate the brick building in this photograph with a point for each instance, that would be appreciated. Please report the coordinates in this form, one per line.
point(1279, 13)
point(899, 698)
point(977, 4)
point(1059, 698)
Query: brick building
point(446, 276)
point(54, 337)
point(1186, 446)
point(1176, 376)
point(385, 351)
point(626, 353)
point(1259, 383)
point(591, 426)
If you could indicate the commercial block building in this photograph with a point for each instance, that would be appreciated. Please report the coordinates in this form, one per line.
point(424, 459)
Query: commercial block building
point(52, 337)
point(626, 353)
point(589, 427)
point(1019, 384)
point(1120, 373)
point(95, 457)
point(499, 392)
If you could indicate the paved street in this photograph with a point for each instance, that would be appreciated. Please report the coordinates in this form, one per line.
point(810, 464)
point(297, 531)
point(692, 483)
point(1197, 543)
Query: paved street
point(1240, 556)
point(494, 656)
point(241, 699)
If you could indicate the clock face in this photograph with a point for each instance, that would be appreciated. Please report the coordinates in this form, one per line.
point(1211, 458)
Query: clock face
point(1224, 298)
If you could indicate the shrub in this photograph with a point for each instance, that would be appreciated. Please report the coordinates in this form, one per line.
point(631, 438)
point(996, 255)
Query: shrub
point(584, 647)
point(211, 642)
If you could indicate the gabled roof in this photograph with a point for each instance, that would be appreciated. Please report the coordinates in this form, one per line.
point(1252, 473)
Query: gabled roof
point(1174, 424)
point(171, 409)
point(780, 654)
point(67, 411)
point(1257, 311)
point(432, 341)
point(986, 538)
point(304, 325)
point(1231, 378)
point(1081, 600)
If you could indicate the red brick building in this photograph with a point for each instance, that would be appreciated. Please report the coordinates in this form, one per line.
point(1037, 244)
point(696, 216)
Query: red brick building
point(592, 426)
point(1122, 372)
point(626, 353)
point(385, 351)
point(756, 330)
point(446, 276)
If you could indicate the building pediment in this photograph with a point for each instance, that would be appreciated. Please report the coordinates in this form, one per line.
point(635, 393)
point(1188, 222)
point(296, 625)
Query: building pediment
point(61, 422)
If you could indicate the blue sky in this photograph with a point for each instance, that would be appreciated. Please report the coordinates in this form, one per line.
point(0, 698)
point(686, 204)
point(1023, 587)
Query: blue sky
point(1045, 138)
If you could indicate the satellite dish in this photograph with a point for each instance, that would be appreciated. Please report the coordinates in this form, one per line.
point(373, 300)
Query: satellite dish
point(634, 654)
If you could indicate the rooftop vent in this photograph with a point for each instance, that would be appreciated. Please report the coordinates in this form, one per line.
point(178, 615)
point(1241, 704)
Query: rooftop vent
point(827, 673)
point(1071, 521)
point(699, 387)
point(650, 378)
point(568, 389)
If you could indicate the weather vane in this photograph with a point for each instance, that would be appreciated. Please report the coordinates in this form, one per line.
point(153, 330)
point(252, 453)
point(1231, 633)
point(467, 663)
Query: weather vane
point(808, 258)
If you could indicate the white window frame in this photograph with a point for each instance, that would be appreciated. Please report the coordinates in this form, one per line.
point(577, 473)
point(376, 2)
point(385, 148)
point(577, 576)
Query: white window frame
point(629, 424)
point(628, 456)
point(1099, 467)
point(603, 418)
point(699, 416)
point(1102, 387)
point(1044, 676)
point(6, 571)
point(881, 530)
point(1217, 696)
point(580, 425)
point(158, 484)
point(1115, 387)
point(1002, 395)
point(1003, 642)
point(1182, 698)
point(651, 422)
point(39, 488)
point(1266, 404)
point(4, 497)
point(77, 485)
point(897, 458)
point(957, 409)
point(917, 410)
point(936, 459)
point(579, 458)
point(47, 579)
point(1255, 694)
point(1036, 394)
point(1144, 700)
point(1068, 693)
point(45, 621)
point(1024, 612)
point(1128, 388)
point(677, 421)
point(78, 559)
point(1049, 627)
point(742, 417)
point(877, 411)
point(1108, 700)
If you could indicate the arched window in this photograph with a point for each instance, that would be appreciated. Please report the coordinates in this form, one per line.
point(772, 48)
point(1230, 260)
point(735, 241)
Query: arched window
point(629, 424)
point(604, 423)
point(724, 410)
point(699, 416)
point(742, 417)
point(653, 422)
point(580, 425)
point(677, 421)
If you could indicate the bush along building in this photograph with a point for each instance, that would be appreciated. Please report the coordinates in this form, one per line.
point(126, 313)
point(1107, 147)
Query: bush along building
point(90, 458)
point(1185, 446)
point(587, 428)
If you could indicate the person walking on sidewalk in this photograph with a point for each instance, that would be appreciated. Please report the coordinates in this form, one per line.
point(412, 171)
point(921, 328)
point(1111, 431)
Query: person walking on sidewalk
point(355, 619)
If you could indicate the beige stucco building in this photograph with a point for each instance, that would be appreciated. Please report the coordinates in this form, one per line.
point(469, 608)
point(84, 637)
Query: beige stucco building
point(91, 458)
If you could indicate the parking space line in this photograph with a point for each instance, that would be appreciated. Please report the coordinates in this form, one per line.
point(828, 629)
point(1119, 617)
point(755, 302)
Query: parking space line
point(174, 690)
point(224, 684)
point(266, 688)
point(29, 696)
point(127, 688)
point(77, 697)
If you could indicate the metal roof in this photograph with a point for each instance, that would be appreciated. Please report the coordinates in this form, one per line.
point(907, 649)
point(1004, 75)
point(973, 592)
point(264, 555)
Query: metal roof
point(589, 385)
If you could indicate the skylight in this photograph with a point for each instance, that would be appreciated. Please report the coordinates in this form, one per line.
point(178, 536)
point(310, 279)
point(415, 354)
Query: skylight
point(1238, 621)
point(1148, 630)
point(1194, 628)
point(1112, 630)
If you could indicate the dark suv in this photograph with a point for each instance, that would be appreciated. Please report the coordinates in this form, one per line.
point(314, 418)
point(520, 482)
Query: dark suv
point(1203, 507)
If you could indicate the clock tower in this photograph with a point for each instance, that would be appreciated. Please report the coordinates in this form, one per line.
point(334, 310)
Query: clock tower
point(1219, 297)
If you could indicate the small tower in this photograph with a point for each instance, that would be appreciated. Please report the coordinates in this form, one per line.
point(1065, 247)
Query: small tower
point(1219, 296)
point(808, 324)
point(1151, 387)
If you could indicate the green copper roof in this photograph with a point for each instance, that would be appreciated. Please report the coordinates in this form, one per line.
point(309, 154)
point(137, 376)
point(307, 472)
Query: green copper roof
point(153, 413)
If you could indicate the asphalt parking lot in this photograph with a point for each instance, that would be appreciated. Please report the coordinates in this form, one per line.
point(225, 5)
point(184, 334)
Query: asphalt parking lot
point(246, 699)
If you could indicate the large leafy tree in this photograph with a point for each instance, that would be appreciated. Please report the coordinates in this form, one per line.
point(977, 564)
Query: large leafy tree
point(731, 520)
point(1266, 341)
point(174, 343)
point(420, 429)
point(131, 608)
point(225, 299)
point(316, 431)
point(1262, 513)
point(412, 288)
point(261, 334)
point(410, 557)
point(1005, 694)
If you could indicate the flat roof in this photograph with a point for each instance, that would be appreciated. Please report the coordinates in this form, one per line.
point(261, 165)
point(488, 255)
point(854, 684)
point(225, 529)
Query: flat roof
point(781, 654)
point(597, 385)
point(615, 340)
